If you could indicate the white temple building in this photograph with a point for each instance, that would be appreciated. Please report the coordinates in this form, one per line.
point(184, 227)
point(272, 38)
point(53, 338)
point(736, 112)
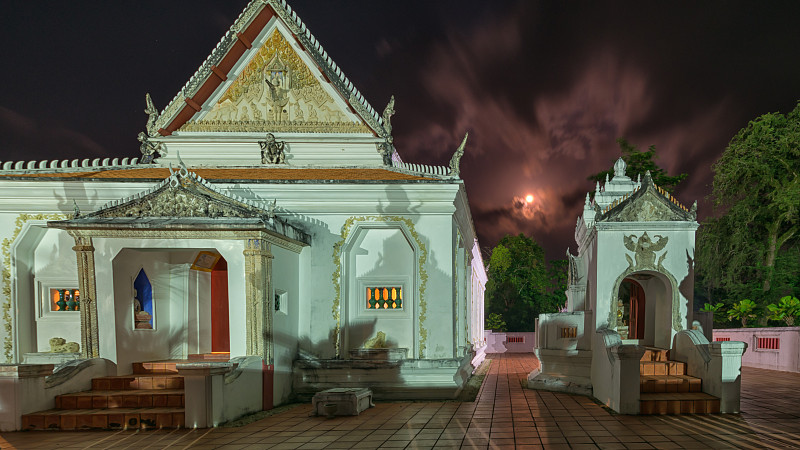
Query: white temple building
point(628, 337)
point(270, 232)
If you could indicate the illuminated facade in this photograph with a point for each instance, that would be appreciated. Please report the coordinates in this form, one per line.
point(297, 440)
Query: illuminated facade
point(269, 216)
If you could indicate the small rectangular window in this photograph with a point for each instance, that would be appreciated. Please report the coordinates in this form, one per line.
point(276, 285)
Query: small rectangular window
point(64, 300)
point(722, 339)
point(384, 297)
point(281, 301)
point(570, 332)
point(515, 339)
point(764, 343)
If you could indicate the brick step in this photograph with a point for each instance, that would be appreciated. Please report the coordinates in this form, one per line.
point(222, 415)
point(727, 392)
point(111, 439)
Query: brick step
point(669, 383)
point(139, 398)
point(122, 418)
point(662, 368)
point(155, 367)
point(218, 356)
point(138, 381)
point(678, 403)
point(655, 354)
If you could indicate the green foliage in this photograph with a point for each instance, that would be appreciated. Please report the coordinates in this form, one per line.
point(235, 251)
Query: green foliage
point(715, 310)
point(708, 307)
point(558, 279)
point(787, 309)
point(520, 284)
point(495, 322)
point(751, 249)
point(638, 163)
point(743, 310)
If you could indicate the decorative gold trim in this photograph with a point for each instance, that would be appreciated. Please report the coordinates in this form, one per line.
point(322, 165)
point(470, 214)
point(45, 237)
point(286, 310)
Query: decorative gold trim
point(8, 324)
point(87, 282)
point(276, 92)
point(337, 273)
point(262, 126)
point(258, 286)
point(673, 285)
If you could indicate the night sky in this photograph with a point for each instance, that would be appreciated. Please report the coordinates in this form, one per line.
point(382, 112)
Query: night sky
point(544, 88)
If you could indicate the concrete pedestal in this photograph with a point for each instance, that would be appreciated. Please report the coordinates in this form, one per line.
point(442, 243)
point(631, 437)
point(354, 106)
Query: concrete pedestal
point(22, 391)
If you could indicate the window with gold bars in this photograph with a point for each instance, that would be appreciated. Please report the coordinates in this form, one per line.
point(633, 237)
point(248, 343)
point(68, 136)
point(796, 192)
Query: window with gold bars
point(385, 297)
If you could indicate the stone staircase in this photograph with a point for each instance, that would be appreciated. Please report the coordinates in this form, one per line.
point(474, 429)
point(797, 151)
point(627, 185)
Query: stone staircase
point(666, 389)
point(152, 397)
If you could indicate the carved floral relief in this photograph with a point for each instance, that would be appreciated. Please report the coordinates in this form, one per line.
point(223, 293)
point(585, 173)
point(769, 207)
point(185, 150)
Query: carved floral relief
point(276, 91)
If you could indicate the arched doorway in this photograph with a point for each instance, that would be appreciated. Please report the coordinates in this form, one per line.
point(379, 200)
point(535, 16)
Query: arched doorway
point(631, 310)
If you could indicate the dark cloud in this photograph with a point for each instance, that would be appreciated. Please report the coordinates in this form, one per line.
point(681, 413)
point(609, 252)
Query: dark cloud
point(24, 139)
point(544, 88)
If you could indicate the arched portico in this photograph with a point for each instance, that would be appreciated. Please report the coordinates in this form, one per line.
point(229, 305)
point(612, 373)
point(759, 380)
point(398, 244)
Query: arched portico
point(661, 306)
point(182, 212)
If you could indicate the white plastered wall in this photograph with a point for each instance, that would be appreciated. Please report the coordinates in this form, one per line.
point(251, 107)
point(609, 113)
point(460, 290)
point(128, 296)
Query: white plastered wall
point(286, 276)
point(54, 265)
point(678, 264)
point(380, 255)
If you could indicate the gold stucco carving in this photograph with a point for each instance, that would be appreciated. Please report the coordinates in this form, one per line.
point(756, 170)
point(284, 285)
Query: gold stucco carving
point(422, 273)
point(8, 323)
point(181, 195)
point(258, 285)
point(84, 251)
point(276, 92)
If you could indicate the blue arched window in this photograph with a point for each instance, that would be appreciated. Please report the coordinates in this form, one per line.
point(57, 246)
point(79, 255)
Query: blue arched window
point(143, 302)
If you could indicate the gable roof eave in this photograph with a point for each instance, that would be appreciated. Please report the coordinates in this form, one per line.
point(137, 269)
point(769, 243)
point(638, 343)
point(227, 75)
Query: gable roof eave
point(256, 15)
point(616, 209)
point(158, 208)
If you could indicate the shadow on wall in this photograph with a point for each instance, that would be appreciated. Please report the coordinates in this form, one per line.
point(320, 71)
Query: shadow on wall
point(686, 286)
point(315, 350)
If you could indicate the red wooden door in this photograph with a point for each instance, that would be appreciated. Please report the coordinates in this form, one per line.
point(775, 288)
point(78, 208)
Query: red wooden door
point(636, 326)
point(220, 330)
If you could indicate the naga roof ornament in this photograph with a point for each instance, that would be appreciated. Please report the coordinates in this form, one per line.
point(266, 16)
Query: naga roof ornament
point(455, 160)
point(387, 146)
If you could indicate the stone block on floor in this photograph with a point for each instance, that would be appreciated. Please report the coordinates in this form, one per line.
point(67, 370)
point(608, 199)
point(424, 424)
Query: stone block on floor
point(348, 401)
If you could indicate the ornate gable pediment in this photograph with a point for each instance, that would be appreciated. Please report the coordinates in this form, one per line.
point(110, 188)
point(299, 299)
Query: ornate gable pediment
point(648, 204)
point(183, 194)
point(277, 91)
point(268, 74)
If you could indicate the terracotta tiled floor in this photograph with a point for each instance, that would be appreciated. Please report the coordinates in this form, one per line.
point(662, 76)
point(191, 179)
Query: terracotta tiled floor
point(504, 416)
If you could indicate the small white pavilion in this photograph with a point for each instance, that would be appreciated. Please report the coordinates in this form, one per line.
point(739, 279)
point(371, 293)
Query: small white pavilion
point(628, 337)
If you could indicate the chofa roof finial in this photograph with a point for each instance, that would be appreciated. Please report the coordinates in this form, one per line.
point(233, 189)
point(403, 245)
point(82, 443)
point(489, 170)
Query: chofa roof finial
point(152, 116)
point(455, 160)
